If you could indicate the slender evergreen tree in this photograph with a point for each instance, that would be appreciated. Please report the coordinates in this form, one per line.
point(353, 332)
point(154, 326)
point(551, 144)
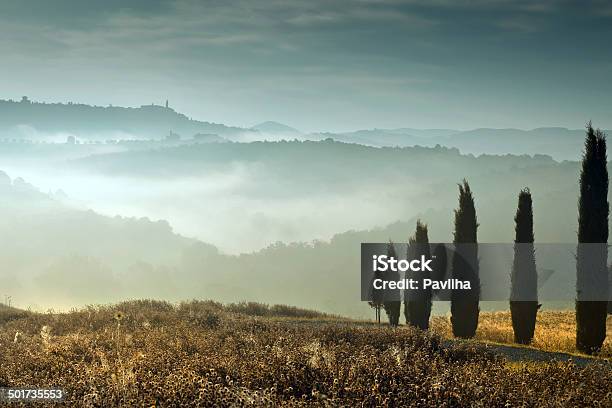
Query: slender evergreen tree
point(524, 277)
point(592, 253)
point(377, 296)
point(610, 289)
point(464, 303)
point(392, 307)
point(417, 303)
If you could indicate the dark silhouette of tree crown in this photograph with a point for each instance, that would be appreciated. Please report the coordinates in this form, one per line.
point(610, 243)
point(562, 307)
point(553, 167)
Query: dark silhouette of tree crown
point(420, 235)
point(466, 224)
point(524, 218)
point(593, 207)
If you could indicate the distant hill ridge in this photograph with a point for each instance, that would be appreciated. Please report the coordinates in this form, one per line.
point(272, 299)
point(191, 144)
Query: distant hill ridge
point(276, 128)
point(560, 143)
point(56, 121)
point(34, 120)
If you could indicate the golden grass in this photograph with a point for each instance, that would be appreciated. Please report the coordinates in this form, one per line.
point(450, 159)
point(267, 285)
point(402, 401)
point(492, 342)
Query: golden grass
point(147, 353)
point(555, 330)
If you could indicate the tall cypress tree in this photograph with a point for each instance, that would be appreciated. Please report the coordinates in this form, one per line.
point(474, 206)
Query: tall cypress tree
point(592, 253)
point(417, 303)
point(464, 303)
point(610, 290)
point(524, 277)
point(377, 296)
point(392, 307)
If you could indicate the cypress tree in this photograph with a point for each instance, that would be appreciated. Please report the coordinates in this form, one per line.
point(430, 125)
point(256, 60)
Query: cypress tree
point(392, 307)
point(417, 304)
point(610, 289)
point(524, 277)
point(376, 295)
point(591, 263)
point(464, 303)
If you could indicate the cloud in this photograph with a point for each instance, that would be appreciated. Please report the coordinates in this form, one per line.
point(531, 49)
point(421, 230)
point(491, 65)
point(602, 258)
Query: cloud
point(520, 25)
point(263, 32)
point(243, 61)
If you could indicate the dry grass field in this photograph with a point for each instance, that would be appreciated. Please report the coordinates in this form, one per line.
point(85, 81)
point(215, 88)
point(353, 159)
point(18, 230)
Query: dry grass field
point(145, 353)
point(555, 330)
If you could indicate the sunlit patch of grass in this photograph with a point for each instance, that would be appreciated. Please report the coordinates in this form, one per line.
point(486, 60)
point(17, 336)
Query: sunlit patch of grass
point(524, 365)
point(555, 330)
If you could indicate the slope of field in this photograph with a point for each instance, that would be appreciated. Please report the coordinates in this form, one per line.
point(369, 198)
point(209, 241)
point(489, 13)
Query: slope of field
point(204, 354)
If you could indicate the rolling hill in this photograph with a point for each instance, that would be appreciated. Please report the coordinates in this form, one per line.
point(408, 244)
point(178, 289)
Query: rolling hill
point(56, 121)
point(43, 121)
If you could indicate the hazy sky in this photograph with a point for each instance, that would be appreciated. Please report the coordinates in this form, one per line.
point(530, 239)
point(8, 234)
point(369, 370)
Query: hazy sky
point(320, 64)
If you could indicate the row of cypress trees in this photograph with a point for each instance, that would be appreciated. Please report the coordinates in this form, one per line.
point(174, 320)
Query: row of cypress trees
point(591, 265)
point(592, 274)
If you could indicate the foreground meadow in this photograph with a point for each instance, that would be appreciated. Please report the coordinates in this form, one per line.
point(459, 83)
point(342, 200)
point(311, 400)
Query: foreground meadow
point(146, 353)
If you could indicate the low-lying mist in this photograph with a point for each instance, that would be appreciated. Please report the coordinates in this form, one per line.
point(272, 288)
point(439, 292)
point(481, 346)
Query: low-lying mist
point(275, 222)
point(235, 209)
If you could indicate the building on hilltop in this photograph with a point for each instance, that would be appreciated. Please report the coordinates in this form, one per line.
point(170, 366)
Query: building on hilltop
point(173, 137)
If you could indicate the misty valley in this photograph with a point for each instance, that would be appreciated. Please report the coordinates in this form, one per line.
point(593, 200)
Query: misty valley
point(93, 219)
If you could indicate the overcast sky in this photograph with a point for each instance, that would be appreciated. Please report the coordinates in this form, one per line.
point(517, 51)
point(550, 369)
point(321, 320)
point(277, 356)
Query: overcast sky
point(319, 64)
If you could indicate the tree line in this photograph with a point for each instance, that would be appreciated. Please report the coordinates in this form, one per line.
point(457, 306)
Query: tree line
point(591, 261)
